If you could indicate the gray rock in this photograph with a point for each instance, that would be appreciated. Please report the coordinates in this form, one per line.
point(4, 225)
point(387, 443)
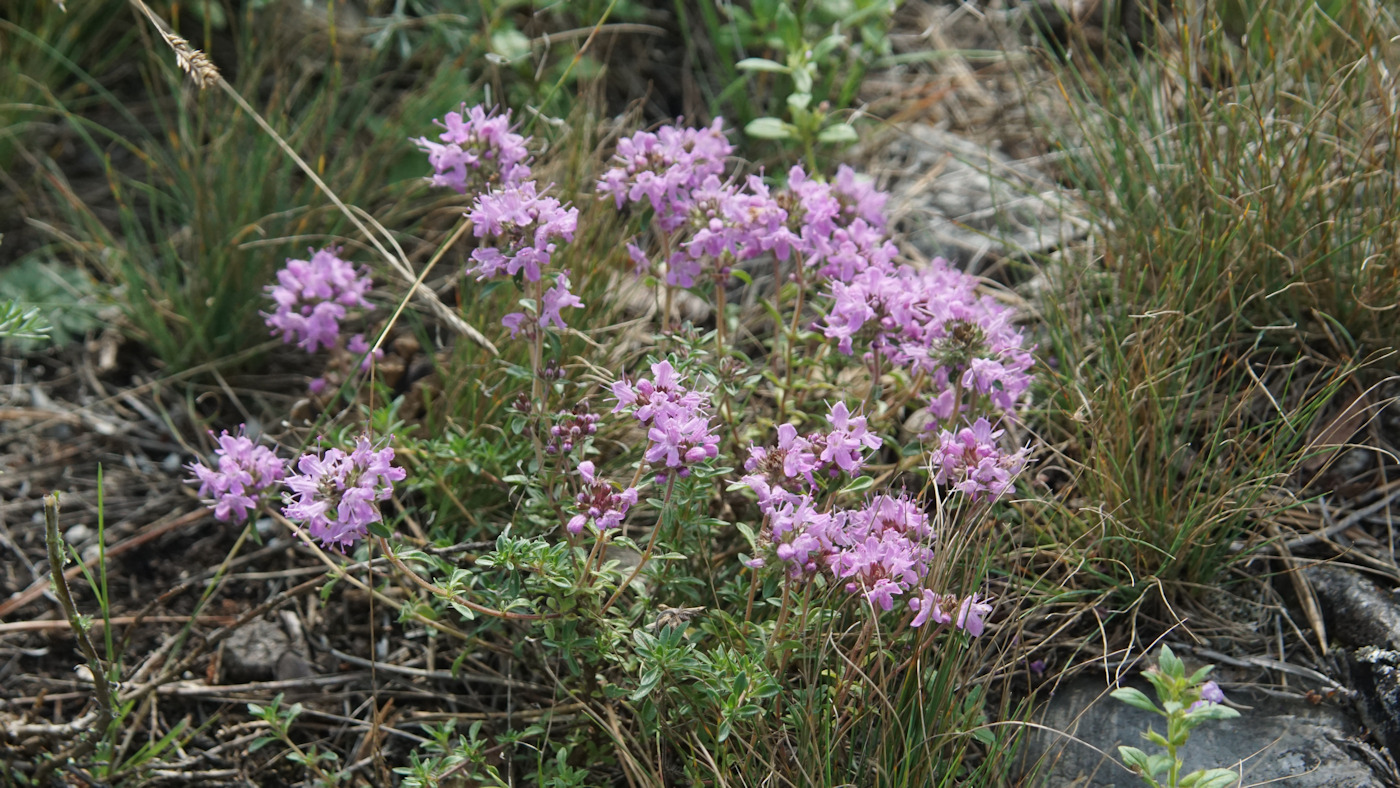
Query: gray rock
point(960, 200)
point(1375, 674)
point(254, 651)
point(1282, 741)
point(1356, 611)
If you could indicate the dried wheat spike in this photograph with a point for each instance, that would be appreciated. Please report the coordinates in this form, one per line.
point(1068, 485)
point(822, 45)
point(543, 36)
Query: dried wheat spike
point(192, 61)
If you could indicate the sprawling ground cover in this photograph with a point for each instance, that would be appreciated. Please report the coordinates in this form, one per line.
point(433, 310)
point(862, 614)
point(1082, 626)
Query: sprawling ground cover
point(429, 405)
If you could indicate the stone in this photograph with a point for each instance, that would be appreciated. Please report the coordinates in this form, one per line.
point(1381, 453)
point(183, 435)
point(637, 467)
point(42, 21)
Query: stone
point(961, 200)
point(1375, 675)
point(253, 652)
point(1357, 612)
point(1285, 742)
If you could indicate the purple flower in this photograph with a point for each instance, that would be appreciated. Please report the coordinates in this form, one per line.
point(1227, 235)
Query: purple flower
point(889, 539)
point(932, 321)
point(972, 615)
point(312, 297)
point(791, 459)
point(973, 463)
point(776, 471)
point(931, 606)
point(859, 199)
point(648, 397)
point(600, 502)
point(528, 227)
point(514, 321)
point(847, 438)
point(708, 223)
point(555, 299)
point(679, 440)
point(360, 347)
point(337, 495)
point(242, 472)
point(664, 167)
point(676, 417)
point(1211, 692)
point(477, 149)
point(1210, 695)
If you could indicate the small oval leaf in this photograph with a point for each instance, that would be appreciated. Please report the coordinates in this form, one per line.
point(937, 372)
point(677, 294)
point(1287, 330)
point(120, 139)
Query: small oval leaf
point(768, 129)
point(838, 133)
point(762, 64)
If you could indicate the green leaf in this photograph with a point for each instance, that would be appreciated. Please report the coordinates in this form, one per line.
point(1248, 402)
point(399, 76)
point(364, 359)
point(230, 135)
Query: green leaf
point(762, 64)
point(827, 45)
point(838, 133)
point(1158, 764)
point(510, 44)
point(1200, 675)
point(802, 79)
point(789, 28)
point(748, 532)
point(16, 322)
point(1213, 711)
point(1170, 664)
point(768, 129)
point(650, 679)
point(860, 484)
point(1210, 778)
point(1136, 699)
point(799, 102)
point(1133, 758)
point(1161, 682)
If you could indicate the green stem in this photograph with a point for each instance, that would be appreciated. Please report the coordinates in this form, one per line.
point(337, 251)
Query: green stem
point(537, 387)
point(101, 688)
point(651, 543)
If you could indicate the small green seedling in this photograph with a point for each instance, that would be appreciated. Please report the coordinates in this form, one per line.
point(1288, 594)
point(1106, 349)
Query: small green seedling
point(1186, 701)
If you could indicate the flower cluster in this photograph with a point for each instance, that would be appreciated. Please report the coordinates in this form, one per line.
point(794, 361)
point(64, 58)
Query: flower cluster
point(571, 427)
point(312, 297)
point(480, 155)
point(881, 550)
point(663, 168)
point(932, 322)
point(676, 418)
point(600, 502)
point(477, 150)
point(526, 224)
point(971, 612)
point(972, 462)
point(708, 224)
point(242, 472)
point(337, 494)
point(780, 473)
